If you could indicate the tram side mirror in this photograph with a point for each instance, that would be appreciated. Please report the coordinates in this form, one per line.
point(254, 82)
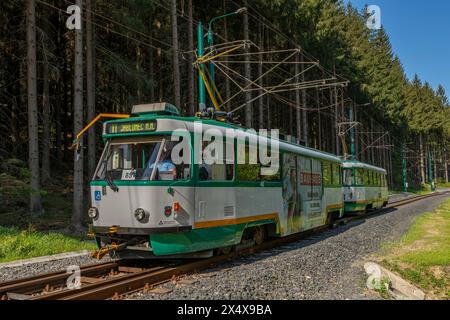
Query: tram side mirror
point(77, 147)
point(77, 154)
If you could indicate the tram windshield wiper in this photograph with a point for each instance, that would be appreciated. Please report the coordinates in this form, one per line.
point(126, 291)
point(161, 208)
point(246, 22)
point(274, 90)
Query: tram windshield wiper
point(110, 181)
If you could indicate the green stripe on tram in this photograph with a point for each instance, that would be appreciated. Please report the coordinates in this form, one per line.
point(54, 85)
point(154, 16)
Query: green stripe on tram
point(200, 239)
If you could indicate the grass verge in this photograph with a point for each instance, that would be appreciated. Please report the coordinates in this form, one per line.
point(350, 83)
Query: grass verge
point(422, 256)
point(18, 244)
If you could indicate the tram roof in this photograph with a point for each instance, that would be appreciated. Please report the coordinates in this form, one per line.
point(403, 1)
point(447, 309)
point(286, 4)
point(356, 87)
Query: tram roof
point(171, 123)
point(362, 165)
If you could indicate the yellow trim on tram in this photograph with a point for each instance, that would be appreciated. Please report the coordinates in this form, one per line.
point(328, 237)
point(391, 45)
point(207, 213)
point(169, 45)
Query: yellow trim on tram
point(226, 222)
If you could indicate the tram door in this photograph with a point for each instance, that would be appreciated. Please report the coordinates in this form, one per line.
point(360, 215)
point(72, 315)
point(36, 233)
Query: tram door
point(215, 198)
point(291, 194)
point(310, 186)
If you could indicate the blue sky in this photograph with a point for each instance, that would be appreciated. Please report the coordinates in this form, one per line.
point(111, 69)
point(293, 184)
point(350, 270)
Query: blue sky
point(420, 35)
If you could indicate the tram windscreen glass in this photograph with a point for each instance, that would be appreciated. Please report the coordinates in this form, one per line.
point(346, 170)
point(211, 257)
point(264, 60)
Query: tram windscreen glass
point(136, 161)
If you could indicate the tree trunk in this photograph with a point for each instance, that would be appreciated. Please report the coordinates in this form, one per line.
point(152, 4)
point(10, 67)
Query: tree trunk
point(261, 83)
point(90, 85)
point(247, 73)
point(435, 174)
point(422, 162)
point(356, 132)
point(446, 165)
point(330, 136)
point(319, 124)
point(391, 174)
point(191, 78)
point(151, 68)
point(297, 103)
point(46, 126)
point(58, 126)
point(77, 215)
point(175, 55)
point(33, 138)
point(372, 141)
point(59, 93)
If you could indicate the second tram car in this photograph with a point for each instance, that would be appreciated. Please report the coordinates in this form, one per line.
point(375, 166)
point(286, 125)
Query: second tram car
point(365, 187)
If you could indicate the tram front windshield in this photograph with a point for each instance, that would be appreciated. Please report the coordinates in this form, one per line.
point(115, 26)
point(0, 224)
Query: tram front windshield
point(141, 159)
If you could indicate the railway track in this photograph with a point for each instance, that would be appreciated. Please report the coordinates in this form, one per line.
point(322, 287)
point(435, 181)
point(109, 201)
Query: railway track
point(112, 280)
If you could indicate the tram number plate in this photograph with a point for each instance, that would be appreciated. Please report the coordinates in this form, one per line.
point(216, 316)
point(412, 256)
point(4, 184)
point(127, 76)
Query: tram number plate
point(131, 127)
point(129, 174)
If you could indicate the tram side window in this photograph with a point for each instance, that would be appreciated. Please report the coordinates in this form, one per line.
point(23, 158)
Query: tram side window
point(327, 173)
point(336, 174)
point(251, 172)
point(366, 177)
point(274, 176)
point(359, 177)
point(222, 167)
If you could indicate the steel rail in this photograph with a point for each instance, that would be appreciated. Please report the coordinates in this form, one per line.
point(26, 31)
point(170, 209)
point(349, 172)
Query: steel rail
point(40, 281)
point(147, 278)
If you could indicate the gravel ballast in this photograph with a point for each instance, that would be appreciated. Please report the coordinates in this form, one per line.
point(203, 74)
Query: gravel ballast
point(29, 270)
point(326, 266)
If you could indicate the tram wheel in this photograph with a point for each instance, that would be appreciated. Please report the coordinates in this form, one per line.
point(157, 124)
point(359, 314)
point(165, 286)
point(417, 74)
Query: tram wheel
point(259, 235)
point(224, 250)
point(332, 217)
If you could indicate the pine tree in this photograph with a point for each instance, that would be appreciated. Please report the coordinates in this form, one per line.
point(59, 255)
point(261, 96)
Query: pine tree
point(33, 142)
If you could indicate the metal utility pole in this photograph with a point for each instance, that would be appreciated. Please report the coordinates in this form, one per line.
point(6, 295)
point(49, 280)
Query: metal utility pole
point(352, 134)
point(405, 183)
point(430, 171)
point(210, 39)
point(201, 83)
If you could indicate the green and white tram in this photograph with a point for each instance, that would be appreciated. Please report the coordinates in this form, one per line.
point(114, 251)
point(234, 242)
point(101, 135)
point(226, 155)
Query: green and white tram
point(365, 187)
point(144, 205)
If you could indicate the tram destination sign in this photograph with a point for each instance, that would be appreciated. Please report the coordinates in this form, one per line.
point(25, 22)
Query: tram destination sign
point(131, 127)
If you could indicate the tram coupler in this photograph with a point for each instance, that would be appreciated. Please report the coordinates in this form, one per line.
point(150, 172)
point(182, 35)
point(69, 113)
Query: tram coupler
point(100, 253)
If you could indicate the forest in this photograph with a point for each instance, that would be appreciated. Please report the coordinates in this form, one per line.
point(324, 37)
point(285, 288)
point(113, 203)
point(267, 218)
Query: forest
point(54, 81)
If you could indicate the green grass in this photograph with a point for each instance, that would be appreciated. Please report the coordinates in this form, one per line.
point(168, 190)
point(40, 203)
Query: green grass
point(420, 192)
point(422, 255)
point(443, 185)
point(16, 244)
point(424, 190)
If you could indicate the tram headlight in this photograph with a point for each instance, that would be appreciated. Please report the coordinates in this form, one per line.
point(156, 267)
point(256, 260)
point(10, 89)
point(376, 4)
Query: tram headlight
point(140, 214)
point(93, 213)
